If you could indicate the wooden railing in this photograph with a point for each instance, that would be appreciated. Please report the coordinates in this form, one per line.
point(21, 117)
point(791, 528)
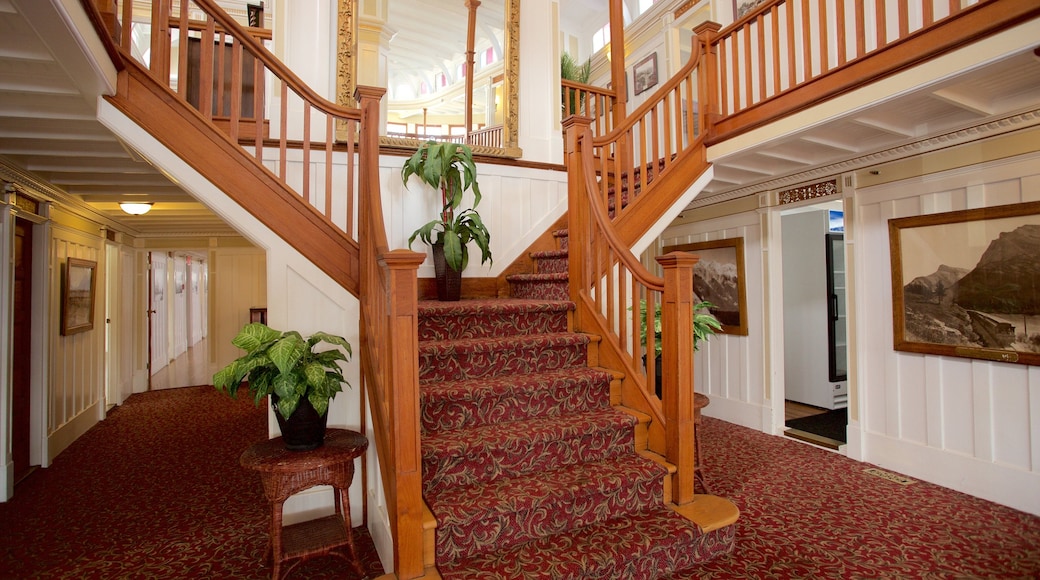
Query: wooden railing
point(786, 55)
point(256, 99)
point(661, 133)
point(595, 103)
point(390, 355)
point(348, 197)
point(616, 296)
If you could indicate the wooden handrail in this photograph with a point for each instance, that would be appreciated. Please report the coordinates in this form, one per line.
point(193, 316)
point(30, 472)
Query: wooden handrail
point(390, 354)
point(616, 296)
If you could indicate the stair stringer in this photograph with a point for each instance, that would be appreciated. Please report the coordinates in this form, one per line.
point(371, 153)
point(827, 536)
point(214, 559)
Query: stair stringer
point(210, 152)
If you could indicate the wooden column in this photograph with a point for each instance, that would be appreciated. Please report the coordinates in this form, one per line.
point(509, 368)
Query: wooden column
point(471, 31)
point(618, 77)
point(578, 134)
point(708, 76)
point(677, 371)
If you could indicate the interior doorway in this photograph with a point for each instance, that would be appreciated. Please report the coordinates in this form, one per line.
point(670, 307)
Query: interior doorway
point(21, 339)
point(815, 330)
point(178, 319)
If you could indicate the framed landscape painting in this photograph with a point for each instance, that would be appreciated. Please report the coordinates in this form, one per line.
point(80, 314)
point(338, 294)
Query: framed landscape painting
point(77, 296)
point(719, 278)
point(967, 283)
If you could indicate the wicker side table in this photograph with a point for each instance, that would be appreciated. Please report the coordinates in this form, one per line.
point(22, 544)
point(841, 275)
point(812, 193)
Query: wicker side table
point(285, 473)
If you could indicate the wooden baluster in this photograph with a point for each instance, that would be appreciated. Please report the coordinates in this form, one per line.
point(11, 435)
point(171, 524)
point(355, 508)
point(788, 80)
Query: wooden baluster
point(205, 84)
point(775, 12)
point(182, 50)
point(806, 42)
point(842, 34)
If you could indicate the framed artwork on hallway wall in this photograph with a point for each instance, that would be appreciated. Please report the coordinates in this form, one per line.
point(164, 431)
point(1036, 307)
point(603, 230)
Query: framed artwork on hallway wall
point(967, 283)
point(644, 74)
point(78, 284)
point(718, 278)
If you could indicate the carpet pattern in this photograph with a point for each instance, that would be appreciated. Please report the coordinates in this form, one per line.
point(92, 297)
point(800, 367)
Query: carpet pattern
point(528, 469)
point(153, 491)
point(806, 512)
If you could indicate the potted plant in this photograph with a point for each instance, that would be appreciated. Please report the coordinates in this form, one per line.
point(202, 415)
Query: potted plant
point(449, 168)
point(300, 380)
point(705, 325)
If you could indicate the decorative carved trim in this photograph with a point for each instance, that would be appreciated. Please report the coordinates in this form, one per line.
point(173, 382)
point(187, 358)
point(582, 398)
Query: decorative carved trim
point(992, 128)
point(684, 8)
point(346, 50)
point(813, 191)
point(409, 143)
point(511, 83)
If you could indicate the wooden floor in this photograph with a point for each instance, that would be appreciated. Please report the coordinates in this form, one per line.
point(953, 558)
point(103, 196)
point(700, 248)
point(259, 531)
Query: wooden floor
point(793, 410)
point(188, 370)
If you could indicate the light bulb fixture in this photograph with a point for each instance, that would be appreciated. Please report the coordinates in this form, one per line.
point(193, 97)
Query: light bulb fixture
point(135, 208)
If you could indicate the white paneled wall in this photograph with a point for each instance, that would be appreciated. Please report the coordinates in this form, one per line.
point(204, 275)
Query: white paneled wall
point(730, 368)
point(517, 206)
point(969, 424)
point(76, 390)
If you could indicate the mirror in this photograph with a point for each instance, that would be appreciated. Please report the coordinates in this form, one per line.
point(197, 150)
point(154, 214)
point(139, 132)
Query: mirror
point(426, 92)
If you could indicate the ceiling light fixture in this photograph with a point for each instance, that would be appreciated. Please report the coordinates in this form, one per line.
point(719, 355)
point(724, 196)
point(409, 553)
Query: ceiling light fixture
point(135, 208)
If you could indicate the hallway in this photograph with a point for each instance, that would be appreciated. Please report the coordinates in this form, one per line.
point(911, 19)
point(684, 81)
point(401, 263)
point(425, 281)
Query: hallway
point(188, 370)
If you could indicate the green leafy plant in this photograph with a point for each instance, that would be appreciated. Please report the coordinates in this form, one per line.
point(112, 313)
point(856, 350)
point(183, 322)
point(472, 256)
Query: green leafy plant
point(285, 365)
point(572, 71)
point(705, 324)
point(449, 168)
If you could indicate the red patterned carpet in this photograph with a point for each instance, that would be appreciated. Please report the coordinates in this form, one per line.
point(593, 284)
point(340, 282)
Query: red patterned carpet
point(155, 491)
point(810, 513)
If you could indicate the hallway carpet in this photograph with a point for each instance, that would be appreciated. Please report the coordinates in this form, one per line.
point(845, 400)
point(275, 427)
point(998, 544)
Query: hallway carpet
point(153, 491)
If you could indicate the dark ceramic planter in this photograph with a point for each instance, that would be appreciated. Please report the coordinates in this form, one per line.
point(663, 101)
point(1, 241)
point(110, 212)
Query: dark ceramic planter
point(304, 429)
point(449, 281)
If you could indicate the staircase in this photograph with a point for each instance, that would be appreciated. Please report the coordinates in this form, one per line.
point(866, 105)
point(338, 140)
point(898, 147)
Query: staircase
point(530, 467)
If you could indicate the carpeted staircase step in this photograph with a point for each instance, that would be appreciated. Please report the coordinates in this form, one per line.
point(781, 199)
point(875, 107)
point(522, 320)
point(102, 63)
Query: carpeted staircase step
point(553, 286)
point(643, 545)
point(483, 454)
point(551, 261)
point(452, 405)
point(561, 236)
point(475, 358)
point(510, 511)
point(491, 318)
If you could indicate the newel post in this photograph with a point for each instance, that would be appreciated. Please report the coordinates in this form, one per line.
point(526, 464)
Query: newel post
point(402, 372)
point(677, 371)
point(708, 76)
point(578, 136)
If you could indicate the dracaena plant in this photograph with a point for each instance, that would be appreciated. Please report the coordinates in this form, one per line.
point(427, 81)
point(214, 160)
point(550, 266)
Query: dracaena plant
point(449, 168)
point(287, 366)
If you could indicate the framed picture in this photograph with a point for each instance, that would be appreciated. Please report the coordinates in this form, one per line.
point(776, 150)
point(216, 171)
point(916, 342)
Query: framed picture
point(77, 296)
point(719, 278)
point(967, 283)
point(644, 74)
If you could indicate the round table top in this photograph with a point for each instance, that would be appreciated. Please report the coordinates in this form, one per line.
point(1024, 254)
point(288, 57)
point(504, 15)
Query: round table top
point(340, 445)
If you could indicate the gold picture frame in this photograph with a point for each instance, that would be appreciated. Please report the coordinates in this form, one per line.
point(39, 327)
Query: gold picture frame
point(78, 286)
point(725, 288)
point(967, 283)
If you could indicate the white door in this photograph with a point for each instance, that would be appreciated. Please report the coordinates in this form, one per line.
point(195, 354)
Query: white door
point(158, 312)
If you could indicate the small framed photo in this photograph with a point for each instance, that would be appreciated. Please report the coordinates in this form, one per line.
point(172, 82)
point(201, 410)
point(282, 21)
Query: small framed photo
point(644, 74)
point(77, 296)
